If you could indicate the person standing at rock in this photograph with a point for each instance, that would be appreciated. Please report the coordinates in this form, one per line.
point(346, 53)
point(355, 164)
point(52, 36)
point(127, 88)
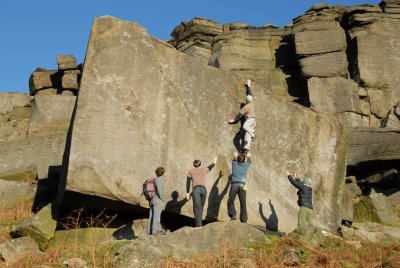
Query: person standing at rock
point(156, 204)
point(240, 165)
point(304, 199)
point(199, 194)
point(248, 113)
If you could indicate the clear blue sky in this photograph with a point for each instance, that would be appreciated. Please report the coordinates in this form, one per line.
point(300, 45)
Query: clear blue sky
point(33, 32)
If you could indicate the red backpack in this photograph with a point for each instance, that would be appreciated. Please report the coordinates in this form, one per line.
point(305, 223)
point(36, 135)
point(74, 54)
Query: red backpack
point(149, 188)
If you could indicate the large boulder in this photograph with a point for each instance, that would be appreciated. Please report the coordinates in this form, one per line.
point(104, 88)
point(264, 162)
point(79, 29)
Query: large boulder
point(128, 123)
point(213, 239)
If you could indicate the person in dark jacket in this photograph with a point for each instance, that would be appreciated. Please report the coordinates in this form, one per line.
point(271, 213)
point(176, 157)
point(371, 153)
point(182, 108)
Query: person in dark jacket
point(240, 165)
point(305, 199)
point(156, 205)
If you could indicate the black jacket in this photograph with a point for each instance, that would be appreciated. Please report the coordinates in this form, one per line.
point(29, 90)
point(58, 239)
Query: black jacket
point(304, 193)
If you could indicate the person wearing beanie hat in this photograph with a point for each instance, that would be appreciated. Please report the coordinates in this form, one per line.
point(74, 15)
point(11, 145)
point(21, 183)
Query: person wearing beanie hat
point(248, 113)
point(198, 178)
point(305, 199)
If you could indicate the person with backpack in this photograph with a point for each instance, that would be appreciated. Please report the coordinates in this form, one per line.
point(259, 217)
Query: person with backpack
point(304, 193)
point(199, 194)
point(248, 113)
point(240, 165)
point(155, 195)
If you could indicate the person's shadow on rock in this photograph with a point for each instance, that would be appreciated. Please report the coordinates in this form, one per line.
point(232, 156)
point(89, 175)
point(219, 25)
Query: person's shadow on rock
point(215, 199)
point(238, 139)
point(174, 205)
point(271, 223)
point(125, 232)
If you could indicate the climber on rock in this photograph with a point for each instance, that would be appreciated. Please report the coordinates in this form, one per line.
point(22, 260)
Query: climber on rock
point(248, 113)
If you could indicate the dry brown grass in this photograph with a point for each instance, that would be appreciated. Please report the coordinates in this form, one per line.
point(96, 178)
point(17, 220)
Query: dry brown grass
point(333, 253)
point(13, 213)
point(96, 253)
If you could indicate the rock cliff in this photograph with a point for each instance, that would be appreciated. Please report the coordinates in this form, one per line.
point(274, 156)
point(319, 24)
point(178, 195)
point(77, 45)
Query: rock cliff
point(145, 103)
point(142, 104)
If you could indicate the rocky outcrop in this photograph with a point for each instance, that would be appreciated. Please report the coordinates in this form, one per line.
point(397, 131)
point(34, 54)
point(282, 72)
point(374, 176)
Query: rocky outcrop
point(25, 173)
point(368, 144)
point(384, 209)
point(40, 228)
point(64, 81)
point(252, 53)
point(16, 249)
point(321, 48)
point(195, 37)
point(14, 191)
point(212, 239)
point(351, 193)
point(51, 114)
point(372, 232)
point(14, 116)
point(43, 79)
point(44, 152)
point(265, 53)
point(180, 114)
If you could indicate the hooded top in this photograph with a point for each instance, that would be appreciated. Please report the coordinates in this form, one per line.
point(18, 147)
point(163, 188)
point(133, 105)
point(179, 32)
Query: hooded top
point(304, 193)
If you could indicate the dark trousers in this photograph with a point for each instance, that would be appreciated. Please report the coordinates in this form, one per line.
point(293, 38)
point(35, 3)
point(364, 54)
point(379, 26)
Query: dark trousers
point(236, 189)
point(199, 196)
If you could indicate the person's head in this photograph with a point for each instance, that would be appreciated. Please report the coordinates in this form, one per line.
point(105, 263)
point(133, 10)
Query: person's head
point(197, 163)
point(174, 195)
point(249, 98)
point(160, 171)
point(241, 158)
point(307, 181)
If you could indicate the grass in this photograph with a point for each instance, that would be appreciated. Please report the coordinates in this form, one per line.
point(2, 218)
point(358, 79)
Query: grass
point(96, 251)
point(364, 211)
point(333, 253)
point(12, 213)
